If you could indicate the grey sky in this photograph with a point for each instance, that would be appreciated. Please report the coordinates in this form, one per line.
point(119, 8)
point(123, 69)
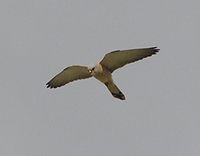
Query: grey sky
point(161, 114)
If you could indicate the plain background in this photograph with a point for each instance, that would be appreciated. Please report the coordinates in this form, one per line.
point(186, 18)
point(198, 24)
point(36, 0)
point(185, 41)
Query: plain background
point(161, 114)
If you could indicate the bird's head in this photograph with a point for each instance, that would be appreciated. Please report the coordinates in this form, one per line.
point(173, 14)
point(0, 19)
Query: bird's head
point(96, 69)
point(91, 70)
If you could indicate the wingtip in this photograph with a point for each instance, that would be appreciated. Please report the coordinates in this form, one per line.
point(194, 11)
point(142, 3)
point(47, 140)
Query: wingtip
point(155, 49)
point(48, 85)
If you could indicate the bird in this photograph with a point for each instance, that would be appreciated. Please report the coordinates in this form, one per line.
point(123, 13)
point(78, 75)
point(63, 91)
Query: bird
point(103, 70)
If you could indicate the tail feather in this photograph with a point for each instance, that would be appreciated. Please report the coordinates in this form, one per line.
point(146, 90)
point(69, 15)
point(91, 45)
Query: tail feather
point(115, 91)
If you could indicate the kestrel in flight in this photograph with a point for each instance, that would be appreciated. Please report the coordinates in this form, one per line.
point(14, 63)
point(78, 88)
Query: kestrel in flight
point(103, 70)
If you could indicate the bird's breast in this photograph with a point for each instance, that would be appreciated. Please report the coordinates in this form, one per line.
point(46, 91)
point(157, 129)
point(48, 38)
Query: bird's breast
point(104, 76)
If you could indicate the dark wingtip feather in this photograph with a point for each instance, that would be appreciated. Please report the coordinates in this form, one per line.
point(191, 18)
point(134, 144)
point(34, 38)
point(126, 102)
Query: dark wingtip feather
point(48, 85)
point(155, 49)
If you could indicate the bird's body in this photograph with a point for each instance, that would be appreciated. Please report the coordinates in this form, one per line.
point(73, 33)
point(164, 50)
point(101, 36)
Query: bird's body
point(105, 76)
point(103, 70)
point(101, 73)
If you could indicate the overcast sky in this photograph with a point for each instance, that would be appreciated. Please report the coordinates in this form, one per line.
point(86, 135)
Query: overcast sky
point(161, 113)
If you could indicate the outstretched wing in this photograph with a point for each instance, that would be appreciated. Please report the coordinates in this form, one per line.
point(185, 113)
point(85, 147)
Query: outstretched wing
point(68, 75)
point(117, 59)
